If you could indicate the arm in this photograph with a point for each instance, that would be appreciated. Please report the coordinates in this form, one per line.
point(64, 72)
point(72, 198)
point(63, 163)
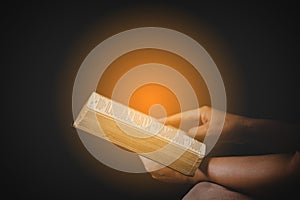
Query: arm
point(264, 175)
point(256, 175)
point(270, 135)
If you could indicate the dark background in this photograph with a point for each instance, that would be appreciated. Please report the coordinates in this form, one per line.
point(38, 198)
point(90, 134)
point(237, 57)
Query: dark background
point(40, 151)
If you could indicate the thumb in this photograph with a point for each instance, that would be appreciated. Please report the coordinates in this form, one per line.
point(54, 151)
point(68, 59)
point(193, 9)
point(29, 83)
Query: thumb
point(173, 120)
point(198, 132)
point(176, 119)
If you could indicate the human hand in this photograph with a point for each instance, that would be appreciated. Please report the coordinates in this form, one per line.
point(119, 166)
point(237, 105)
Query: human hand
point(203, 116)
point(233, 124)
point(165, 174)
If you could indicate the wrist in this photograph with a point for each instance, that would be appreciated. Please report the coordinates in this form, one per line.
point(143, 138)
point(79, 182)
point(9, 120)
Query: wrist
point(198, 177)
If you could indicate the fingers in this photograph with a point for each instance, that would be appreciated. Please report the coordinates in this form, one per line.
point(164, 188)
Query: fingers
point(198, 132)
point(205, 114)
point(168, 175)
point(172, 120)
point(199, 116)
point(176, 119)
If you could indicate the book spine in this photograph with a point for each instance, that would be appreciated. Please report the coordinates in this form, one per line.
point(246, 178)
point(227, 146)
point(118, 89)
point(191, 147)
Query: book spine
point(144, 122)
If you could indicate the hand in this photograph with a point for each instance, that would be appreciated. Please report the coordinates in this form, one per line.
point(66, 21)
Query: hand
point(233, 124)
point(169, 175)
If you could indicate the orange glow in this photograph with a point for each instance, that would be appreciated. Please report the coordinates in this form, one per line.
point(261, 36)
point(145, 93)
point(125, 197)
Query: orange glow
point(146, 96)
point(150, 94)
point(121, 20)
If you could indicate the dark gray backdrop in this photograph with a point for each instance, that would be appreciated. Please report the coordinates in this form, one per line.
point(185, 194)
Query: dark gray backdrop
point(37, 39)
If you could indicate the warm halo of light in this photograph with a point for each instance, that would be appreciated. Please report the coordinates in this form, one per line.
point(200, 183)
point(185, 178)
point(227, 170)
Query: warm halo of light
point(135, 58)
point(152, 94)
point(119, 21)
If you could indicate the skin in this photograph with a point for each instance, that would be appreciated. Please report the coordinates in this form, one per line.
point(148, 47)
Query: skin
point(257, 175)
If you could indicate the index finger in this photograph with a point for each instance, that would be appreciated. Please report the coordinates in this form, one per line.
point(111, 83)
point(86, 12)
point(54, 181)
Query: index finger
point(176, 119)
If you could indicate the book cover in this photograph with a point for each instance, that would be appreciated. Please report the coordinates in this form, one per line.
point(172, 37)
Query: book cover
point(140, 133)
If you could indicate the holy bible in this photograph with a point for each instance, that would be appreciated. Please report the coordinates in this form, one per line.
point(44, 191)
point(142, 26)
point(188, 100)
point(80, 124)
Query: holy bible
point(140, 133)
